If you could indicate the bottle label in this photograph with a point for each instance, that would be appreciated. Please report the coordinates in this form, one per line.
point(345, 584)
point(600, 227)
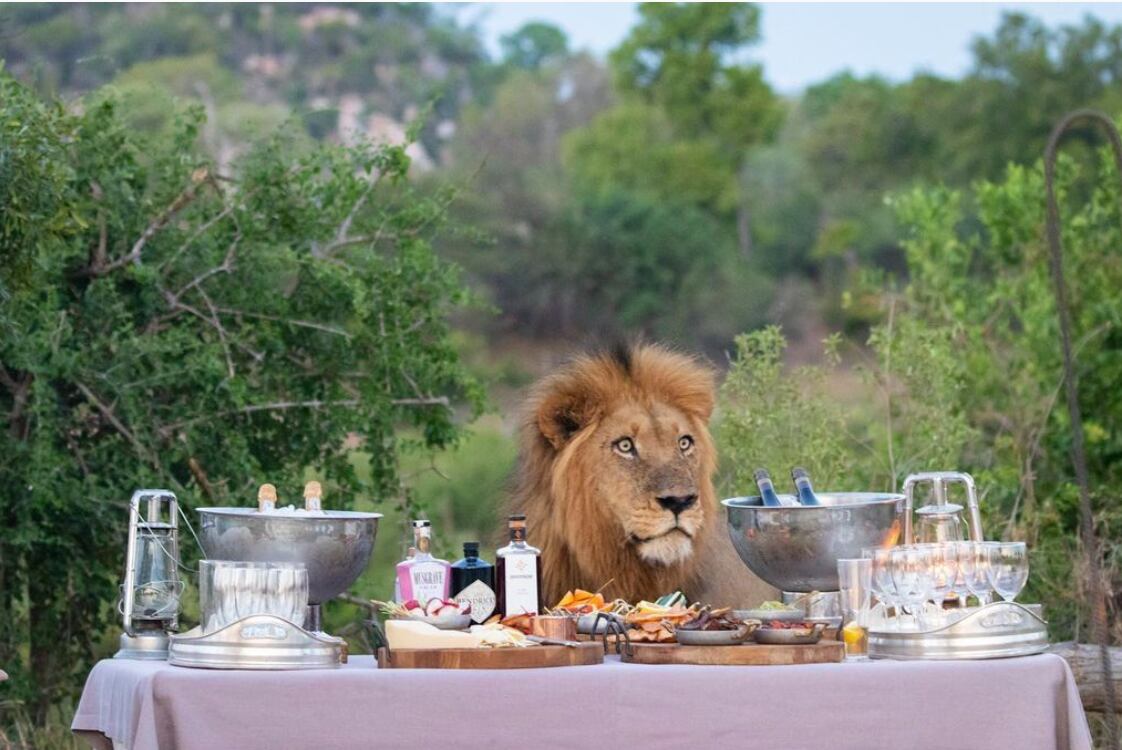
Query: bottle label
point(428, 580)
point(481, 598)
point(520, 585)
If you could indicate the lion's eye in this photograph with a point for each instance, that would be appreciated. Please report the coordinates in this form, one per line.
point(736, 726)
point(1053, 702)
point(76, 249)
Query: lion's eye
point(685, 443)
point(626, 446)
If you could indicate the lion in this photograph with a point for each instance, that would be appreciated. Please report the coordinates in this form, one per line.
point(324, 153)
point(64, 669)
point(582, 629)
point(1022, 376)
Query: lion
point(615, 476)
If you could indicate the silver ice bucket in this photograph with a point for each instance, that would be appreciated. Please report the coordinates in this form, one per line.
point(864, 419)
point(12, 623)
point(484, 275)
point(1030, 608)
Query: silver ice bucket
point(797, 548)
point(335, 546)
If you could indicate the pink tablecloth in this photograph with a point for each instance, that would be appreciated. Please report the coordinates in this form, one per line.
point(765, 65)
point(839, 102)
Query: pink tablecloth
point(1025, 703)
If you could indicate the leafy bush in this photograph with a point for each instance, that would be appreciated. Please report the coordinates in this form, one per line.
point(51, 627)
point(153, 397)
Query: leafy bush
point(967, 374)
point(200, 331)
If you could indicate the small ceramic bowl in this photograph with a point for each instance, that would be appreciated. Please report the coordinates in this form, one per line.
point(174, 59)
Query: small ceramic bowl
point(790, 636)
point(715, 637)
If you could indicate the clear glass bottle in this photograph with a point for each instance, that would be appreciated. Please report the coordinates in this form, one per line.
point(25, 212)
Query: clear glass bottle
point(519, 574)
point(803, 488)
point(409, 555)
point(473, 581)
point(424, 577)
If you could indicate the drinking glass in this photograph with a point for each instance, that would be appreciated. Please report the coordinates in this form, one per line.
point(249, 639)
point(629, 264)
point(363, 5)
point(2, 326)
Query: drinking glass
point(909, 577)
point(1008, 568)
point(229, 591)
point(855, 578)
point(883, 588)
point(972, 566)
point(973, 562)
point(943, 566)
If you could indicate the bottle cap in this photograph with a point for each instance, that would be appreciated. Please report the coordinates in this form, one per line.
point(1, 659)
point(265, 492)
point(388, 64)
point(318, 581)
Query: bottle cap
point(421, 523)
point(471, 549)
point(267, 492)
point(761, 474)
point(312, 489)
point(799, 472)
point(518, 518)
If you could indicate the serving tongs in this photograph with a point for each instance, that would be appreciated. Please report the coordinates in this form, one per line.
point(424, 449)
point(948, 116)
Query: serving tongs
point(614, 626)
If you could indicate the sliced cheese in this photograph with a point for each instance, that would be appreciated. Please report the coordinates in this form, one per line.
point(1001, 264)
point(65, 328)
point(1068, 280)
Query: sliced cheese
point(411, 634)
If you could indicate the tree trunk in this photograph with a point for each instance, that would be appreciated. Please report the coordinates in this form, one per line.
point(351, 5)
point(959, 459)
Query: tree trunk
point(1087, 667)
point(744, 231)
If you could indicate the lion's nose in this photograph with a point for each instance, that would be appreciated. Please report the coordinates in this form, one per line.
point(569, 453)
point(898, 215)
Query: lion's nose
point(677, 503)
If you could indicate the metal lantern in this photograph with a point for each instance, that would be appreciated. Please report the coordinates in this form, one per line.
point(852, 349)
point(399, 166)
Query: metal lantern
point(151, 591)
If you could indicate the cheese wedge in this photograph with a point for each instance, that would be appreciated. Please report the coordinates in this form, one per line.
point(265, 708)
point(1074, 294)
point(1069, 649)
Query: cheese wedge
point(410, 634)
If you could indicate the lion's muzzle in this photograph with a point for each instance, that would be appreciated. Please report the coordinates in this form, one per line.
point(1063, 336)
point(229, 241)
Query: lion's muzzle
point(677, 503)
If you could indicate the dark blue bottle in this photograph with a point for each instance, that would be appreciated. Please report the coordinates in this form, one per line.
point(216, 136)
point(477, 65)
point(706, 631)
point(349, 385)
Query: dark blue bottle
point(802, 486)
point(767, 489)
point(473, 580)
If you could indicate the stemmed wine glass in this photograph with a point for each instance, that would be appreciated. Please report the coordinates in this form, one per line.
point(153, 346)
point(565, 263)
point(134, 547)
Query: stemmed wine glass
point(907, 565)
point(1008, 568)
point(883, 588)
point(943, 568)
point(973, 564)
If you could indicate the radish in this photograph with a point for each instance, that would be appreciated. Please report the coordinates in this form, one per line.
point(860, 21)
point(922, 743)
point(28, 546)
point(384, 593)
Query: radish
point(434, 605)
point(448, 610)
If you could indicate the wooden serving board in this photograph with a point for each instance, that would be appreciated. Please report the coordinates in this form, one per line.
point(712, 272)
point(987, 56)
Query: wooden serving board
point(746, 654)
point(530, 657)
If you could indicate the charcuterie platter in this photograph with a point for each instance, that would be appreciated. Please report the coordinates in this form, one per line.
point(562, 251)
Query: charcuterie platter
point(746, 654)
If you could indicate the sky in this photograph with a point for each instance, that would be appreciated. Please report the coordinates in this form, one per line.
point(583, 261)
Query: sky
point(805, 43)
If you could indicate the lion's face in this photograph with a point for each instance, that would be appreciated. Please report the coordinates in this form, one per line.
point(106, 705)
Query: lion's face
point(616, 468)
point(647, 462)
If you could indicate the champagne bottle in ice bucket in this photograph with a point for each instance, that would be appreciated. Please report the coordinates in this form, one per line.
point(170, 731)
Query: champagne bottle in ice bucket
point(767, 488)
point(803, 487)
point(313, 497)
point(266, 498)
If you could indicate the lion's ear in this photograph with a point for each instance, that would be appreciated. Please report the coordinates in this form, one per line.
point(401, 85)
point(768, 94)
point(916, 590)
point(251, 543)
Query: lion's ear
point(562, 413)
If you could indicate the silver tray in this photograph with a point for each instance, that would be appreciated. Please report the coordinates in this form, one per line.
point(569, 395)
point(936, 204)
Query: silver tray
point(995, 631)
point(256, 642)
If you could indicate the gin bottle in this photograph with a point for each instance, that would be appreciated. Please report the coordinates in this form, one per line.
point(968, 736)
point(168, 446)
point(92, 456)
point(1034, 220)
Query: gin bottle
point(802, 486)
point(519, 574)
point(424, 577)
point(409, 555)
point(473, 581)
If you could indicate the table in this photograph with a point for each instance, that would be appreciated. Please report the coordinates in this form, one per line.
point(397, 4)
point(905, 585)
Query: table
point(1023, 703)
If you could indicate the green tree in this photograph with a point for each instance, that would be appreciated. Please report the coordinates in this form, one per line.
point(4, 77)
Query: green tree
point(685, 58)
point(197, 331)
point(534, 45)
point(1024, 79)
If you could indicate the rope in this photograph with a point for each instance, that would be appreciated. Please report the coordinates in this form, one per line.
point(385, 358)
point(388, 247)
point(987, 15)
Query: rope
point(1079, 458)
